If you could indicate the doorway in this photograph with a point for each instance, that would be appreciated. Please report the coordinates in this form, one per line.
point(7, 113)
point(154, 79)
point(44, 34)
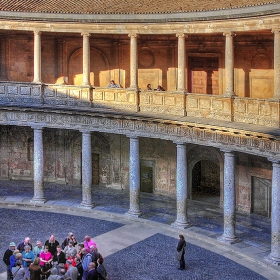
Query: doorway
point(261, 196)
point(204, 75)
point(206, 182)
point(147, 176)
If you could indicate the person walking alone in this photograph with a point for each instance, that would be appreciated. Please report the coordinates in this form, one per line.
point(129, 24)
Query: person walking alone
point(181, 252)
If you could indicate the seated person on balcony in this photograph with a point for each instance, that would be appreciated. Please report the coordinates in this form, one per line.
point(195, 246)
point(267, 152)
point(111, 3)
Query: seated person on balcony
point(160, 88)
point(149, 87)
point(113, 84)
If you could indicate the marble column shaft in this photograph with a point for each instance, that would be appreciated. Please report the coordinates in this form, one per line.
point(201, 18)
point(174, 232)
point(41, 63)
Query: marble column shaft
point(181, 63)
point(276, 94)
point(134, 178)
point(181, 187)
point(133, 61)
point(229, 199)
point(229, 64)
point(38, 166)
point(86, 59)
point(275, 215)
point(86, 171)
point(37, 57)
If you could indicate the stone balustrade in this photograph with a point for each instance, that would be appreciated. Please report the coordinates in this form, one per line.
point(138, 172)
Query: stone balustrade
point(237, 109)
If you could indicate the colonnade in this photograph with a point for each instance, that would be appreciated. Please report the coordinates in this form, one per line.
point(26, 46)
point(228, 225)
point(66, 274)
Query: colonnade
point(181, 76)
point(229, 234)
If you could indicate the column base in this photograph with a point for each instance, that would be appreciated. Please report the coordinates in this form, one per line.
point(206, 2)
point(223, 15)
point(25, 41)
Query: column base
point(273, 260)
point(228, 240)
point(86, 205)
point(38, 200)
point(134, 213)
point(181, 225)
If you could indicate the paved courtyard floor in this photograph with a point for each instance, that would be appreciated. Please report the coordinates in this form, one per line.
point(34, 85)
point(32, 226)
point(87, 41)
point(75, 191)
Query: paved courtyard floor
point(138, 248)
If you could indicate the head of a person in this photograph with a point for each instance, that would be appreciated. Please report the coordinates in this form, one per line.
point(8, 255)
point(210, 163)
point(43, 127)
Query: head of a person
point(62, 271)
point(27, 240)
point(12, 246)
point(91, 266)
point(52, 238)
point(70, 243)
point(27, 248)
point(71, 234)
point(87, 238)
point(39, 244)
point(36, 261)
point(112, 82)
point(80, 246)
point(18, 263)
point(72, 256)
point(58, 248)
point(84, 251)
point(16, 251)
point(54, 271)
point(77, 260)
point(18, 256)
point(181, 237)
point(46, 249)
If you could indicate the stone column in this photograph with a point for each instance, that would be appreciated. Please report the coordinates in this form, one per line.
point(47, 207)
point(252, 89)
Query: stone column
point(181, 187)
point(38, 167)
point(181, 85)
point(229, 199)
point(86, 59)
point(274, 256)
point(134, 178)
point(86, 170)
point(276, 94)
point(229, 64)
point(3, 47)
point(133, 62)
point(37, 57)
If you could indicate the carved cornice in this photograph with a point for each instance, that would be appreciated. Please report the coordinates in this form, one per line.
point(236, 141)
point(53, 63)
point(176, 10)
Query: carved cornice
point(255, 143)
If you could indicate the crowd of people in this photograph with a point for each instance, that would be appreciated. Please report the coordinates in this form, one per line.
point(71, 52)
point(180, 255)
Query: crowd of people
point(69, 260)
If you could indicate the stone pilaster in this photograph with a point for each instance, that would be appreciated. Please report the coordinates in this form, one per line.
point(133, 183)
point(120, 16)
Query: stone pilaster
point(38, 167)
point(181, 84)
point(37, 57)
point(181, 187)
point(229, 199)
point(86, 59)
point(276, 94)
point(134, 178)
point(133, 62)
point(229, 64)
point(3, 50)
point(86, 171)
point(274, 255)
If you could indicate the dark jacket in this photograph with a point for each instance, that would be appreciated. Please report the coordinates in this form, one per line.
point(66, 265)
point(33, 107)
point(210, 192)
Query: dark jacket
point(92, 275)
point(181, 245)
point(21, 246)
point(6, 257)
point(59, 258)
point(52, 246)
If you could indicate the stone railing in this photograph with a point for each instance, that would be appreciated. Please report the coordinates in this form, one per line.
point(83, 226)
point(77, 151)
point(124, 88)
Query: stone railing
point(234, 109)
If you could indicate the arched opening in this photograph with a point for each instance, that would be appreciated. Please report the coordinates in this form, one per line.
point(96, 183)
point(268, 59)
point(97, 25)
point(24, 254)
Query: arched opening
point(206, 182)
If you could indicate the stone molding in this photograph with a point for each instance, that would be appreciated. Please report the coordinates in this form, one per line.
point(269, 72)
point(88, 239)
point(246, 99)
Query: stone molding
point(233, 139)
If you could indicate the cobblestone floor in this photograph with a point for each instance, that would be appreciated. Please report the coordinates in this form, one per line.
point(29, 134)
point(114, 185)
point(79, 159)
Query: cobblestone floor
point(151, 258)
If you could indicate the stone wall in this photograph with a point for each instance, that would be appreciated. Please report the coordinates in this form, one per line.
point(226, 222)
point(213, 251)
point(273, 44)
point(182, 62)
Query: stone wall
point(62, 157)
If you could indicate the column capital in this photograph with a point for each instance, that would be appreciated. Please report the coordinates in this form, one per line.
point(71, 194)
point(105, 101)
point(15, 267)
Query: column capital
point(36, 127)
point(85, 131)
point(227, 151)
point(132, 35)
point(85, 34)
point(275, 30)
point(229, 34)
point(181, 35)
point(180, 143)
point(37, 32)
point(274, 160)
